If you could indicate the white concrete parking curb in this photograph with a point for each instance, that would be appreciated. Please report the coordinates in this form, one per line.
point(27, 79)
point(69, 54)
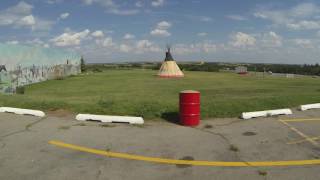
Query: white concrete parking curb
point(249, 115)
point(309, 106)
point(22, 111)
point(110, 119)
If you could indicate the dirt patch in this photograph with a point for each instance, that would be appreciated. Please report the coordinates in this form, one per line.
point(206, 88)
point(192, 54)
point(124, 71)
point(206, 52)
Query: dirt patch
point(64, 127)
point(208, 126)
point(60, 113)
point(187, 158)
point(107, 125)
point(249, 133)
point(233, 148)
point(262, 173)
point(80, 124)
point(139, 125)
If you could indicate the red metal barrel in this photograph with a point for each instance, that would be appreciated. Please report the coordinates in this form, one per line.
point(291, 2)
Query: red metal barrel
point(190, 108)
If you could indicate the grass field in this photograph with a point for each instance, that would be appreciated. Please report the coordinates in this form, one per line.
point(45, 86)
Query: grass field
point(141, 93)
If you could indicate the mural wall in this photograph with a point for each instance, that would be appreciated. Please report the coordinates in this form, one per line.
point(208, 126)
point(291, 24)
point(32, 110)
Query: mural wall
point(22, 65)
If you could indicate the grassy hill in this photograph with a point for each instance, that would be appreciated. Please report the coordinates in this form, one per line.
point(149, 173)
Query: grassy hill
point(141, 93)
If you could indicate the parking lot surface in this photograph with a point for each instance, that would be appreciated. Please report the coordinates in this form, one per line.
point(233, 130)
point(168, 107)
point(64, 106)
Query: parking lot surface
point(25, 152)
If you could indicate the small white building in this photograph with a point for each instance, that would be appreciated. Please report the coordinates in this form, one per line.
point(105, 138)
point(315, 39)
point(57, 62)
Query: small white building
point(241, 70)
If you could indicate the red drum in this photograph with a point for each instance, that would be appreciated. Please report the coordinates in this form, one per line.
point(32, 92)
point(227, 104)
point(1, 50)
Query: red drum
point(190, 108)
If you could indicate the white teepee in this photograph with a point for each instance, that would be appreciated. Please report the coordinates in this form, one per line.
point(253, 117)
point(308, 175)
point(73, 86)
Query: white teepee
point(169, 67)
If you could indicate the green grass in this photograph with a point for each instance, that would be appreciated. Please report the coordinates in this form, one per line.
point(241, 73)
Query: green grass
point(141, 93)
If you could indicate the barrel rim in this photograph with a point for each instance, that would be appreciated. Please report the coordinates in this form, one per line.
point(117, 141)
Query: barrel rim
point(189, 91)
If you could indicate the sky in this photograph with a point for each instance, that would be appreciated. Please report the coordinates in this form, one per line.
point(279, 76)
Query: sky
point(254, 31)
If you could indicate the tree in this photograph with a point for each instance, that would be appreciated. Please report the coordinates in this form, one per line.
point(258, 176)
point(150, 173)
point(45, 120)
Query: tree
point(83, 64)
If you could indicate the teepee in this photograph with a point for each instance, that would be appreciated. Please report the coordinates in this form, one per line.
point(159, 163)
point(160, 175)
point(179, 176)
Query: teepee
point(169, 67)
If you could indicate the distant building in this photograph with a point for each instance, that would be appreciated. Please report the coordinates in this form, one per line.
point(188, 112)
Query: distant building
point(201, 63)
point(289, 75)
point(241, 70)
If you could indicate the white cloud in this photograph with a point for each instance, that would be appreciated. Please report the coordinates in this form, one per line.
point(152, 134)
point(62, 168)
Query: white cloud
point(20, 16)
point(70, 39)
point(164, 25)
point(271, 39)
point(157, 3)
point(54, 1)
point(205, 19)
point(42, 24)
point(304, 10)
point(304, 43)
point(105, 42)
point(160, 33)
point(33, 42)
point(21, 8)
point(209, 47)
point(112, 7)
point(202, 34)
point(139, 4)
point(236, 17)
point(26, 21)
point(13, 15)
point(161, 29)
point(201, 47)
point(146, 46)
point(64, 15)
point(37, 42)
point(307, 25)
point(299, 17)
point(88, 2)
point(127, 12)
point(128, 36)
point(142, 44)
point(125, 48)
point(242, 40)
point(98, 34)
point(12, 42)
point(138, 47)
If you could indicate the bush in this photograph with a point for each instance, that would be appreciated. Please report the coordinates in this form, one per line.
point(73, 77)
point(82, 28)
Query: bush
point(97, 70)
point(83, 65)
point(20, 90)
point(59, 78)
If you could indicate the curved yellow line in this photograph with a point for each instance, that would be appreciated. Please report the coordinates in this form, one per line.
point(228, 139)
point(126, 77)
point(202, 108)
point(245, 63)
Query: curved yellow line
point(184, 162)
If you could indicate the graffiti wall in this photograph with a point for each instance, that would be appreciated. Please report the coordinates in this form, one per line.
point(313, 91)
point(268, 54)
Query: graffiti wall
point(22, 65)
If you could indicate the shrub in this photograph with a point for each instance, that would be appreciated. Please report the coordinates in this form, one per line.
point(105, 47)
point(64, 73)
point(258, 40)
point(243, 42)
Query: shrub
point(59, 78)
point(97, 70)
point(83, 65)
point(20, 90)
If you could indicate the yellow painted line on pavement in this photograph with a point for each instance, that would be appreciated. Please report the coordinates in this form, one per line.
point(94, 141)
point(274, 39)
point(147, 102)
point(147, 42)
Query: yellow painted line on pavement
point(304, 140)
point(299, 120)
point(313, 142)
point(184, 162)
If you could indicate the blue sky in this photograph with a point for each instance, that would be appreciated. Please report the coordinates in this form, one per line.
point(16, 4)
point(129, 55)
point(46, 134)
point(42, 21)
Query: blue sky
point(259, 31)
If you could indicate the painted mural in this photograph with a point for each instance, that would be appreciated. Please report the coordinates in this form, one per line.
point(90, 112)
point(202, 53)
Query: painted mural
point(22, 65)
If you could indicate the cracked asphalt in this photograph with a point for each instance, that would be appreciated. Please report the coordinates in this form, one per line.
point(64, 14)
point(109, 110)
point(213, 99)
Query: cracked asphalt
point(25, 152)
